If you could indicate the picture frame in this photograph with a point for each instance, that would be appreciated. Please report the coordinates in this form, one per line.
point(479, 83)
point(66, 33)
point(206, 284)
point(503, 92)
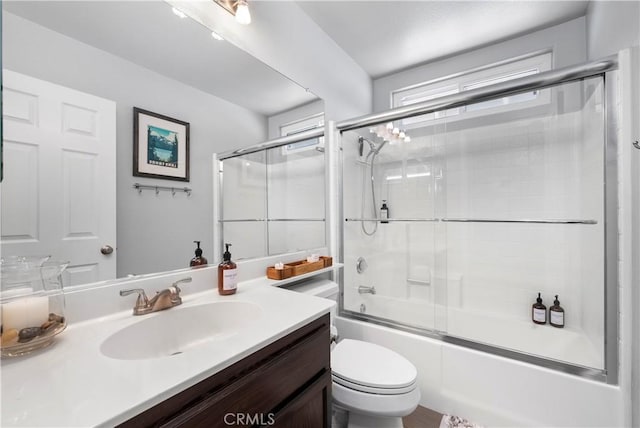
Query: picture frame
point(160, 146)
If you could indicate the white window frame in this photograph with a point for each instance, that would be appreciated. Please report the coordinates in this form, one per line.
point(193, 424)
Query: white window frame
point(506, 70)
point(298, 126)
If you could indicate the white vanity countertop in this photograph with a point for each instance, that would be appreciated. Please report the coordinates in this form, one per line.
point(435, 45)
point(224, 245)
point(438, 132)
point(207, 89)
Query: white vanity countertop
point(72, 384)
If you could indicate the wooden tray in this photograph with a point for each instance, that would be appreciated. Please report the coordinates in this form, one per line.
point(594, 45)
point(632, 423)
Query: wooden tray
point(273, 273)
point(299, 267)
point(328, 261)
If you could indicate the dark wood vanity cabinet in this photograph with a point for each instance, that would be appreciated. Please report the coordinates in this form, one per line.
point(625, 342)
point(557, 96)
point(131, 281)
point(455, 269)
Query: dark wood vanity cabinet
point(285, 384)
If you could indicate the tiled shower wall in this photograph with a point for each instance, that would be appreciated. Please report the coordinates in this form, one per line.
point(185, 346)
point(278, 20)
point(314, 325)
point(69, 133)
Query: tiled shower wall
point(297, 192)
point(267, 185)
point(542, 163)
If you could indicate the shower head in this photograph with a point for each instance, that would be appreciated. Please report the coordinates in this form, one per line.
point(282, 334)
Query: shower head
point(373, 147)
point(380, 147)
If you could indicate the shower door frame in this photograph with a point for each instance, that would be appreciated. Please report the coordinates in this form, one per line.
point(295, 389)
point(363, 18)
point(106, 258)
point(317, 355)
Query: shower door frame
point(218, 194)
point(607, 68)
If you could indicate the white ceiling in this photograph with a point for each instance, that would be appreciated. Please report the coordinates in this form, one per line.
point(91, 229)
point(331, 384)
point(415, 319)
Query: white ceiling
point(387, 36)
point(381, 36)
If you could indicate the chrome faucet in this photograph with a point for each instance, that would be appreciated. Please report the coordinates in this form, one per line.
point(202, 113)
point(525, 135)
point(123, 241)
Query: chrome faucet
point(165, 299)
point(364, 290)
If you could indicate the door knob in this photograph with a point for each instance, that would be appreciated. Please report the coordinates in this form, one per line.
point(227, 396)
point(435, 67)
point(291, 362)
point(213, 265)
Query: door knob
point(107, 249)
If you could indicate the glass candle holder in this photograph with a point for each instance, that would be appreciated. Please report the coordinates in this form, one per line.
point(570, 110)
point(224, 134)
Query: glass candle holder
point(31, 304)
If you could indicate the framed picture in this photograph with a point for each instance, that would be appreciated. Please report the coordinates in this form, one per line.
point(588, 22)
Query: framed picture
point(160, 146)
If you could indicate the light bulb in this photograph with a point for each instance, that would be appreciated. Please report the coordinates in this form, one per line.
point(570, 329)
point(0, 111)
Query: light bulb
point(390, 126)
point(395, 131)
point(180, 13)
point(216, 36)
point(242, 12)
point(402, 134)
point(407, 139)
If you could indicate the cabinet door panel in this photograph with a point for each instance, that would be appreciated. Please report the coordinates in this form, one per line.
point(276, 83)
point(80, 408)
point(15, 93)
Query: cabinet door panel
point(310, 409)
point(255, 395)
point(253, 390)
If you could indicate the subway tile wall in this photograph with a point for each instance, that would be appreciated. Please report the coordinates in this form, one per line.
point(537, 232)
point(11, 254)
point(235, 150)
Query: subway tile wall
point(268, 185)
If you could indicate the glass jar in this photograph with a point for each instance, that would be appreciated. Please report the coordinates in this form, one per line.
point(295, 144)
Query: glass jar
point(31, 303)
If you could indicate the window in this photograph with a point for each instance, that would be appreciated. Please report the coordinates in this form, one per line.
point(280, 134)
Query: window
point(302, 125)
point(489, 75)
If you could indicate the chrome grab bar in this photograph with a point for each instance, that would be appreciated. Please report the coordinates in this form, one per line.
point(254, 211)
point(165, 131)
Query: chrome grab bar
point(479, 220)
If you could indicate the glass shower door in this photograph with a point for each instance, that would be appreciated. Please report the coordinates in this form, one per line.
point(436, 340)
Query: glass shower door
point(391, 263)
point(244, 207)
point(524, 202)
point(487, 208)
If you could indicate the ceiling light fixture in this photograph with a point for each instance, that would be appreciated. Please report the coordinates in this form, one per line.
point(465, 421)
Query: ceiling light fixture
point(390, 133)
point(237, 8)
point(216, 36)
point(242, 12)
point(180, 13)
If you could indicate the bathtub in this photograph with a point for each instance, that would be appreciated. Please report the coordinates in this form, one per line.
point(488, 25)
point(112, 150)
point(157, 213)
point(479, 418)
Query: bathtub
point(567, 345)
point(489, 389)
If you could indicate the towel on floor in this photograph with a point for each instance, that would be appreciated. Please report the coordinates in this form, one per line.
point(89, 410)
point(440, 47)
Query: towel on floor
point(450, 421)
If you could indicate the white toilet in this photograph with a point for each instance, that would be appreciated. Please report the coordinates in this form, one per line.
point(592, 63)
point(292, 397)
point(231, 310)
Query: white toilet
point(373, 387)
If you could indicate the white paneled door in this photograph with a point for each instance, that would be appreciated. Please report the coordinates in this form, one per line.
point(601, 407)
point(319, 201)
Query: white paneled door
point(59, 188)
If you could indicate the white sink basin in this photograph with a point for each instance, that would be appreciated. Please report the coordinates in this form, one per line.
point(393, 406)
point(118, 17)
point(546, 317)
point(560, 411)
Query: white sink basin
point(178, 330)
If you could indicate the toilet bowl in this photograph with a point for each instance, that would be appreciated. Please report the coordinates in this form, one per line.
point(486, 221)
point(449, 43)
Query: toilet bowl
point(376, 385)
point(372, 386)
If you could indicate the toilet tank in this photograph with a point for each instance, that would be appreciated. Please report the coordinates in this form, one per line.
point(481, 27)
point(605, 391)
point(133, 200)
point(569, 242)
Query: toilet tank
point(324, 288)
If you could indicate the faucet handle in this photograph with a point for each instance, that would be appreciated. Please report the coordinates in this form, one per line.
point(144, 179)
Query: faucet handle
point(180, 281)
point(140, 292)
point(142, 301)
point(175, 290)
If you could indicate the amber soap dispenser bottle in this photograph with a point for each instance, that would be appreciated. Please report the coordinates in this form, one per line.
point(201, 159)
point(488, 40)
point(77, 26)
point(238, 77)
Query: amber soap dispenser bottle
point(539, 311)
point(227, 274)
point(556, 314)
point(384, 212)
point(198, 260)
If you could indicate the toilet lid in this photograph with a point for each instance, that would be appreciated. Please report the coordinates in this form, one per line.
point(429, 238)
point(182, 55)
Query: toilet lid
point(337, 380)
point(371, 365)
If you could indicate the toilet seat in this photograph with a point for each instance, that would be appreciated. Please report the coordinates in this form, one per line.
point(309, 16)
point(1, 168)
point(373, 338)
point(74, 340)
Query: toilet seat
point(375, 404)
point(369, 389)
point(370, 368)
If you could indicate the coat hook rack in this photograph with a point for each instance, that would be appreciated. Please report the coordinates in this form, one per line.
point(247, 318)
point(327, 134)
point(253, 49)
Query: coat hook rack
point(173, 190)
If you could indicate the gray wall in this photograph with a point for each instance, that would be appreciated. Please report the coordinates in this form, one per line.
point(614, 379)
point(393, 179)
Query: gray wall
point(154, 233)
point(298, 113)
point(568, 41)
point(611, 27)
